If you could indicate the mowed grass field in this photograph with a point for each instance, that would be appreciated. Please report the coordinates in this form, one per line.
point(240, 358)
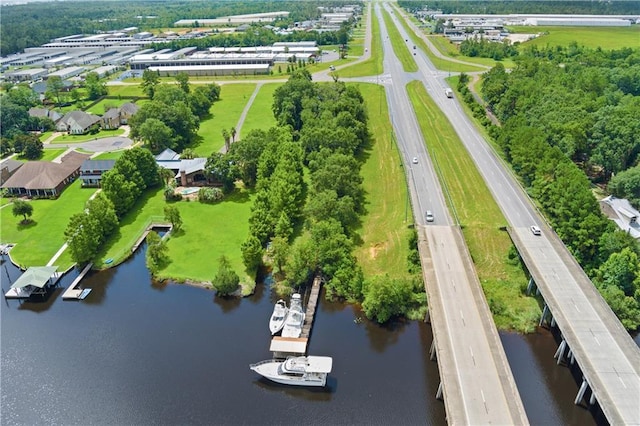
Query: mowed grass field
point(607, 38)
point(260, 115)
point(402, 51)
point(373, 65)
point(37, 242)
point(101, 107)
point(224, 115)
point(478, 214)
point(51, 154)
point(384, 231)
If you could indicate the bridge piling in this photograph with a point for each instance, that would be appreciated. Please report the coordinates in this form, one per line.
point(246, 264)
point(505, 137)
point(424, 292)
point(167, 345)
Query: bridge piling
point(581, 391)
point(560, 352)
point(439, 392)
point(531, 286)
point(432, 350)
point(544, 315)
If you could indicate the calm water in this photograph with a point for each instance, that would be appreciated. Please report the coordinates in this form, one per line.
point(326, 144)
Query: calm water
point(138, 353)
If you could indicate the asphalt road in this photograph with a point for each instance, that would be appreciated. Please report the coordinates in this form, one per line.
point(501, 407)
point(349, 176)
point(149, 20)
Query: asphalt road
point(477, 381)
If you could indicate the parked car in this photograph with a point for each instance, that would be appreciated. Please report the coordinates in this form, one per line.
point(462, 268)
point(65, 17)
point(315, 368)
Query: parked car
point(415, 160)
point(535, 230)
point(428, 216)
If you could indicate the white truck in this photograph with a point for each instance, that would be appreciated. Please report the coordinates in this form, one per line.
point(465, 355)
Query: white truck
point(448, 92)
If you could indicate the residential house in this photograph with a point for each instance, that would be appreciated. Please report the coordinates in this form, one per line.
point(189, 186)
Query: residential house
point(44, 178)
point(91, 171)
point(187, 172)
point(623, 214)
point(7, 168)
point(127, 110)
point(45, 113)
point(110, 119)
point(77, 122)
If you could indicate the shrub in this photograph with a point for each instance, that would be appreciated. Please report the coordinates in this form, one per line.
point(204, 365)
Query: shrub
point(210, 195)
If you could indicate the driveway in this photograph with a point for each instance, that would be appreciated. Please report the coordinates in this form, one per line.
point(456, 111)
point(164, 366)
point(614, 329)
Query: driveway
point(99, 145)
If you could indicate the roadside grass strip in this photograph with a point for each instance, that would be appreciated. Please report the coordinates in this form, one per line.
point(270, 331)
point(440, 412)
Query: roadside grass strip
point(373, 65)
point(402, 51)
point(260, 115)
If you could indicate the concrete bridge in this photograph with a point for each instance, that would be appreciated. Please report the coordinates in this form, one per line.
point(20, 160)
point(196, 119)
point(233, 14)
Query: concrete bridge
point(592, 336)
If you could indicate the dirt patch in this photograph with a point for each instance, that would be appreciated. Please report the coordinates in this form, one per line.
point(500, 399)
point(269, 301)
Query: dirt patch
point(377, 248)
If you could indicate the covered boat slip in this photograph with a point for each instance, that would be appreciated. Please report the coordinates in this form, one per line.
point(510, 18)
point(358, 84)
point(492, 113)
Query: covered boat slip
point(285, 346)
point(34, 280)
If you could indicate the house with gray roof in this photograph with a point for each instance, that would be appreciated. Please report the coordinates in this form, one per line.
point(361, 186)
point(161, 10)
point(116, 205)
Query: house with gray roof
point(45, 113)
point(91, 171)
point(77, 122)
point(127, 110)
point(623, 214)
point(110, 119)
point(45, 178)
point(8, 167)
point(188, 172)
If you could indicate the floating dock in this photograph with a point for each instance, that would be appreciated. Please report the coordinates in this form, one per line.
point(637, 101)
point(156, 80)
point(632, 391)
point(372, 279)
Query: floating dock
point(285, 346)
point(73, 293)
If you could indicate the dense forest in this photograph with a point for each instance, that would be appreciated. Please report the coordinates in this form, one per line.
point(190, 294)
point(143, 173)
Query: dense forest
point(569, 122)
point(33, 24)
point(524, 6)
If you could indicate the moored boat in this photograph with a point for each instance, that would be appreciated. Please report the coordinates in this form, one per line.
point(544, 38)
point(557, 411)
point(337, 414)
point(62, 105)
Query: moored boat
point(299, 371)
point(278, 316)
point(295, 318)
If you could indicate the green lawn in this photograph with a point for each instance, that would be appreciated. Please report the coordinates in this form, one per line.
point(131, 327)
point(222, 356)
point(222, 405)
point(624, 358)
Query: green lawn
point(44, 136)
point(195, 250)
point(478, 214)
point(51, 154)
point(113, 155)
point(100, 107)
point(260, 115)
point(592, 37)
point(384, 231)
point(400, 48)
point(87, 137)
point(373, 65)
point(224, 115)
point(126, 91)
point(36, 243)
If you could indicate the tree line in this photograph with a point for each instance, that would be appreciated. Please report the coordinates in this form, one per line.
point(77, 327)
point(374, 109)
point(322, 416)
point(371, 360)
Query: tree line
point(569, 120)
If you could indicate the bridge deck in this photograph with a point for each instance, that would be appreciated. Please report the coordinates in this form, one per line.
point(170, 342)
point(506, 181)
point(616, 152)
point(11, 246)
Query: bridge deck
point(477, 382)
point(606, 354)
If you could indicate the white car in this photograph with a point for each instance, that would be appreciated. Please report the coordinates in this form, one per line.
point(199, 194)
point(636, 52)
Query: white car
point(429, 216)
point(415, 160)
point(332, 68)
point(535, 230)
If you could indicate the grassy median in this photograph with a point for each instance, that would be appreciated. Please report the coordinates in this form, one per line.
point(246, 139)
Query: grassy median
point(402, 51)
point(503, 281)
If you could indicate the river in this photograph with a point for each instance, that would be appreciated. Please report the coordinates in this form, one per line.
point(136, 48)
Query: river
point(135, 352)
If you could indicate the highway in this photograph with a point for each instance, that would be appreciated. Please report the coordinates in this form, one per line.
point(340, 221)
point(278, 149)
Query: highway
point(608, 357)
point(477, 384)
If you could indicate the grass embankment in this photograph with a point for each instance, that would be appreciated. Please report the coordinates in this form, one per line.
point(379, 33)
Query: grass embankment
point(260, 115)
point(402, 51)
point(384, 231)
point(224, 114)
point(88, 137)
point(373, 65)
point(592, 37)
point(479, 216)
point(38, 241)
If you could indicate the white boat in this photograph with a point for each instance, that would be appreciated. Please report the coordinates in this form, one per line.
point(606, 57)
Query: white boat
point(299, 371)
point(295, 319)
point(278, 316)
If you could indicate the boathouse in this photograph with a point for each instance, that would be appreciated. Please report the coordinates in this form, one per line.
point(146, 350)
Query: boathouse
point(34, 280)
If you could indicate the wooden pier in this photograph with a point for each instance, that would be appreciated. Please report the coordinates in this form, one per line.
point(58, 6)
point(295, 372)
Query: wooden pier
point(285, 346)
point(73, 293)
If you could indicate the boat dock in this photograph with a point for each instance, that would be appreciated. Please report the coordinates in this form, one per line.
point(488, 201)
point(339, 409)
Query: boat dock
point(284, 346)
point(73, 293)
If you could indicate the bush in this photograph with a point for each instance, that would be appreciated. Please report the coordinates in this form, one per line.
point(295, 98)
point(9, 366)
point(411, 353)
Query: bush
point(210, 195)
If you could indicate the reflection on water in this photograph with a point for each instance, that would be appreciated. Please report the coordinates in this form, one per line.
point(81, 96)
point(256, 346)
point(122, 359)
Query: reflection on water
point(141, 352)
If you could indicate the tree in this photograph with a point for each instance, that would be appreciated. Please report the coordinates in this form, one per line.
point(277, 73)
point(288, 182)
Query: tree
point(22, 208)
point(150, 79)
point(144, 164)
point(32, 148)
point(385, 297)
point(95, 88)
point(172, 214)
point(251, 253)
point(101, 208)
point(226, 137)
point(55, 86)
point(157, 255)
point(83, 237)
point(219, 169)
point(156, 135)
point(183, 81)
point(122, 193)
point(226, 280)
point(188, 154)
point(279, 251)
point(233, 134)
